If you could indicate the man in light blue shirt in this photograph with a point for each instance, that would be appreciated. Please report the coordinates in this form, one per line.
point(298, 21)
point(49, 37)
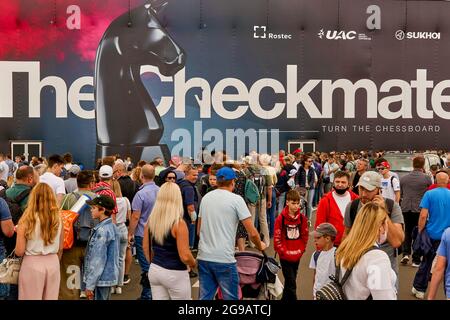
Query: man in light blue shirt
point(220, 212)
point(442, 268)
point(142, 205)
point(435, 218)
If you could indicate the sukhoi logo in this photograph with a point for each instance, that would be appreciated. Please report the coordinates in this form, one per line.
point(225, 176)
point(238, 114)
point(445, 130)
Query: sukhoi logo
point(400, 35)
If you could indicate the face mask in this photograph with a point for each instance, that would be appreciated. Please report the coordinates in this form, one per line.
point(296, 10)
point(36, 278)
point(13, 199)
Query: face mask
point(383, 237)
point(341, 191)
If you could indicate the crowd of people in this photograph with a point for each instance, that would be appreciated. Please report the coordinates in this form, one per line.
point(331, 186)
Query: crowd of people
point(188, 218)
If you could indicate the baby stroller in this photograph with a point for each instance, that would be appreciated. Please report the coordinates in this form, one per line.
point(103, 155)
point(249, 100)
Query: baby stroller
point(257, 273)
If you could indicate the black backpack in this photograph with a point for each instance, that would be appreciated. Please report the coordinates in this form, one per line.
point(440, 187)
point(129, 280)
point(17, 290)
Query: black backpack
point(268, 270)
point(334, 289)
point(14, 204)
point(16, 213)
point(389, 203)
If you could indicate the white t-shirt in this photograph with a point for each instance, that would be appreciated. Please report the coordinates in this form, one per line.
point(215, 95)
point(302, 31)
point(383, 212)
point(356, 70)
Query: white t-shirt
point(123, 205)
point(324, 268)
point(56, 183)
point(220, 211)
point(342, 201)
point(35, 245)
point(327, 168)
point(387, 191)
point(4, 171)
point(71, 185)
point(371, 275)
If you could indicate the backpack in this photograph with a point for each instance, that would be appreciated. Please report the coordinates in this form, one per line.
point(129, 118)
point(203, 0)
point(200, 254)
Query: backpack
point(268, 270)
point(83, 225)
point(16, 213)
point(251, 192)
point(64, 174)
point(255, 186)
point(389, 203)
point(14, 204)
point(334, 289)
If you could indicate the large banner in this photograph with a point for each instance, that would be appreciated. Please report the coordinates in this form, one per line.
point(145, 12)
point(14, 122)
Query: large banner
point(150, 77)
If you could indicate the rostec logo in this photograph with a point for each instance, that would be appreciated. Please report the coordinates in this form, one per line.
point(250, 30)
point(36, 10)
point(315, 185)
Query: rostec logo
point(259, 32)
point(342, 35)
point(400, 35)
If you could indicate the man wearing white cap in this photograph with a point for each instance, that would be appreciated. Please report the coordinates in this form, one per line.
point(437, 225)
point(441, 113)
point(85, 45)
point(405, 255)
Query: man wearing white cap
point(370, 190)
point(104, 186)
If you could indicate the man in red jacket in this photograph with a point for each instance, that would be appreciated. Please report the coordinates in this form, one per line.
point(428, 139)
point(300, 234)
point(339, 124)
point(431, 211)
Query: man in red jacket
point(331, 207)
point(290, 239)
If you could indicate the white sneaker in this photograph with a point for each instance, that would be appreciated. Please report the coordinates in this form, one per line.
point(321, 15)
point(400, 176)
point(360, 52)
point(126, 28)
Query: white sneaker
point(113, 290)
point(118, 290)
point(83, 295)
point(415, 265)
point(418, 294)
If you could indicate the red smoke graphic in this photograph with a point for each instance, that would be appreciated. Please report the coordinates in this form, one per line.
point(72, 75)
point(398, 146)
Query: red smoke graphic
point(31, 29)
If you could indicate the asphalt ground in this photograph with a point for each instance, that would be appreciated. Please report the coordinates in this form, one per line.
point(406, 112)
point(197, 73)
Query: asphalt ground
point(304, 279)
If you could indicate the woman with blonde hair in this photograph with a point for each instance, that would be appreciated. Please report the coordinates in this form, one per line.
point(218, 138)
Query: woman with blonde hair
point(167, 234)
point(124, 213)
point(40, 238)
point(136, 175)
point(367, 268)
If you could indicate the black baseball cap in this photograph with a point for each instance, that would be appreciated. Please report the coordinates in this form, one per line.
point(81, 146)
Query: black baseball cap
point(102, 201)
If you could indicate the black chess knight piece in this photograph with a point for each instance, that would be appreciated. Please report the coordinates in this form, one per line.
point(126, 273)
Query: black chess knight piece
point(128, 122)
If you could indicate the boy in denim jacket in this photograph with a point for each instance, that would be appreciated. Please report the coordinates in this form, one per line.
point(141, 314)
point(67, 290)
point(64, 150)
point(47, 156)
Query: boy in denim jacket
point(101, 262)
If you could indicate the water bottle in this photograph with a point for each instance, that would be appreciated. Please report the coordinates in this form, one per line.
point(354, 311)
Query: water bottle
point(80, 204)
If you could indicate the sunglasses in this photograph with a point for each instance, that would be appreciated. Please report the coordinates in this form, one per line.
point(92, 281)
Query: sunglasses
point(381, 168)
point(171, 178)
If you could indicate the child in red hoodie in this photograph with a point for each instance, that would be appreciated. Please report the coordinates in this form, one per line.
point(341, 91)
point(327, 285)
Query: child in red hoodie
point(290, 239)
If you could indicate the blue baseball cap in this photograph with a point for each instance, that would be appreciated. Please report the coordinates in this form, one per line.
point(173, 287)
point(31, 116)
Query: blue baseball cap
point(225, 174)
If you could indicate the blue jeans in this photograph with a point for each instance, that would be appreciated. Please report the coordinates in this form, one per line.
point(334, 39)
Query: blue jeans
point(423, 274)
point(4, 288)
point(310, 197)
point(281, 203)
point(102, 293)
point(213, 275)
point(191, 229)
point(271, 213)
point(146, 293)
point(317, 194)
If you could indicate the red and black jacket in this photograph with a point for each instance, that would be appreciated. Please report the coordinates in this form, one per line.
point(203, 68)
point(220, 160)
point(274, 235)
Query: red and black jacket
point(291, 235)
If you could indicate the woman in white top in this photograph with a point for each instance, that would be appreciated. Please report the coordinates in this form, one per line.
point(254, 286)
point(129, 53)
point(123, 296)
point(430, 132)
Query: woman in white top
point(372, 275)
point(124, 212)
point(40, 239)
